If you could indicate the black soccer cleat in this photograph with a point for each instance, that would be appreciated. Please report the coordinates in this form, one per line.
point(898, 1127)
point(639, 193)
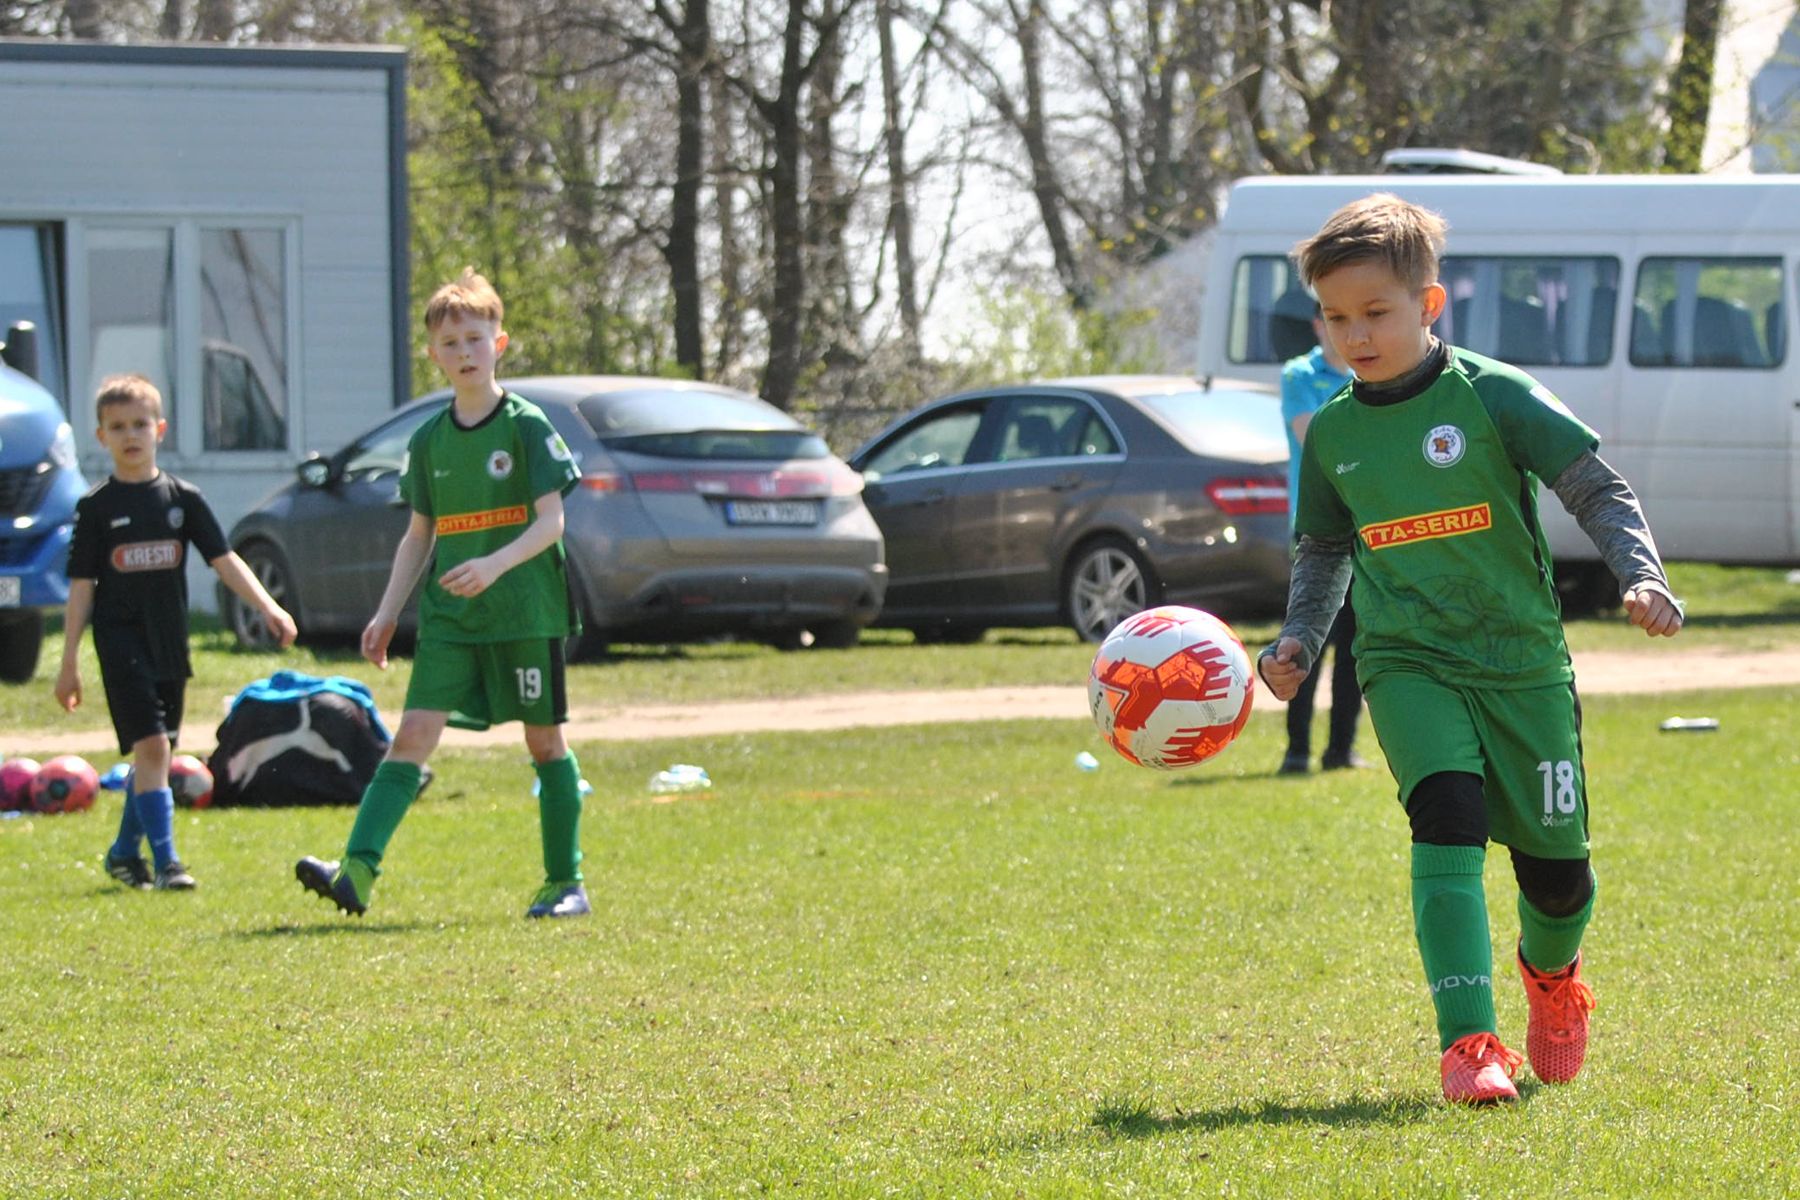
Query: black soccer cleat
point(133, 872)
point(326, 880)
point(173, 877)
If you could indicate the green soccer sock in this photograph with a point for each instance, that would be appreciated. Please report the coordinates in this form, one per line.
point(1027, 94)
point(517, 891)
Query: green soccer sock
point(559, 815)
point(1551, 943)
point(1451, 920)
point(384, 802)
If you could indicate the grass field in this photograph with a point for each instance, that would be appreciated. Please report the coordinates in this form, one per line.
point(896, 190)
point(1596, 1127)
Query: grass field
point(1728, 608)
point(932, 961)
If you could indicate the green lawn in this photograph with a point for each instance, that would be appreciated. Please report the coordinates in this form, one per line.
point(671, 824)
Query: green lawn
point(1730, 608)
point(931, 961)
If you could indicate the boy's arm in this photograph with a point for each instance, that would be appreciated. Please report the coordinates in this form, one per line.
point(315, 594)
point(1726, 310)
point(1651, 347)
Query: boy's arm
point(410, 559)
point(1608, 511)
point(237, 576)
point(475, 576)
point(75, 619)
point(1316, 588)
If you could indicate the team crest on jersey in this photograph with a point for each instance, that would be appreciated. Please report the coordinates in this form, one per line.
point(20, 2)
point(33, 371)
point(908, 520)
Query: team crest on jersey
point(1444, 446)
point(499, 465)
point(176, 516)
point(559, 449)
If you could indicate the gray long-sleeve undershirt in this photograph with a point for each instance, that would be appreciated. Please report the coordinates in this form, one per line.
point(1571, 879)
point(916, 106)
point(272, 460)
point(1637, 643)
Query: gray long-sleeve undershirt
point(1599, 499)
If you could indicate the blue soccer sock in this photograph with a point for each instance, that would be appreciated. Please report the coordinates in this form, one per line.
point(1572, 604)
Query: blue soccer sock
point(131, 830)
point(156, 811)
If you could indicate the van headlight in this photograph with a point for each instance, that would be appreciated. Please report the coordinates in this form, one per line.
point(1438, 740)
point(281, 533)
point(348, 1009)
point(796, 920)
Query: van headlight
point(62, 447)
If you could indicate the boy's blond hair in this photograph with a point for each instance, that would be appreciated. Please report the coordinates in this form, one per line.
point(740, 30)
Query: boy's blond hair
point(468, 295)
point(125, 389)
point(1383, 227)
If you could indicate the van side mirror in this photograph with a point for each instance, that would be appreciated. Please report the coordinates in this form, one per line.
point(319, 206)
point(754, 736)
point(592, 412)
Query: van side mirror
point(314, 470)
point(20, 350)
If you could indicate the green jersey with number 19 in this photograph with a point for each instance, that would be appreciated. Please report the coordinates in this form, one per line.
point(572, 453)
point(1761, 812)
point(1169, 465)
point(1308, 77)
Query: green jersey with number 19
point(1438, 494)
point(479, 486)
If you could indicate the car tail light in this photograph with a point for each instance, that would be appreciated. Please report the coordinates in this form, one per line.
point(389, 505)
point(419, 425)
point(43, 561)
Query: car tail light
point(1244, 497)
point(605, 481)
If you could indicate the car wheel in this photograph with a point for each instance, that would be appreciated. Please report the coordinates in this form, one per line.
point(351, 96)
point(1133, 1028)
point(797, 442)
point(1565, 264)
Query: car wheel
point(21, 638)
point(1586, 589)
point(949, 633)
point(1106, 581)
point(835, 635)
point(271, 569)
point(585, 646)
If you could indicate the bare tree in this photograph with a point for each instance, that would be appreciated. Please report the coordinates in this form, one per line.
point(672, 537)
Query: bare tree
point(1690, 91)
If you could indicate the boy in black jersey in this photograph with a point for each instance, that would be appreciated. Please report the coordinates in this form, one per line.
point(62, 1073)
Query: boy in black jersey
point(128, 577)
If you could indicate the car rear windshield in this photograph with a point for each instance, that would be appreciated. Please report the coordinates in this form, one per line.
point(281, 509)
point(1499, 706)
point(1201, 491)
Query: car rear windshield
point(1223, 424)
point(706, 425)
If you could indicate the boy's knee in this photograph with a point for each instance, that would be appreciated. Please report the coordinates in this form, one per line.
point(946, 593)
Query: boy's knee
point(1448, 809)
point(153, 751)
point(416, 737)
point(1556, 887)
point(546, 743)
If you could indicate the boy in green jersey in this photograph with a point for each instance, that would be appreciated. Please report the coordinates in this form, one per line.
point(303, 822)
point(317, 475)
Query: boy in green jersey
point(1421, 482)
point(485, 479)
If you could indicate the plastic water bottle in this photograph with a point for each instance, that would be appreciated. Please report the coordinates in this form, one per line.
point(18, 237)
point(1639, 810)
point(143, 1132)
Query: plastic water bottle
point(681, 777)
point(1690, 725)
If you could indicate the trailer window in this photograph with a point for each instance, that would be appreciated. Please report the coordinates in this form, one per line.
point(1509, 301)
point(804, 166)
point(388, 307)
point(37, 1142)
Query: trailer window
point(1539, 311)
point(1708, 312)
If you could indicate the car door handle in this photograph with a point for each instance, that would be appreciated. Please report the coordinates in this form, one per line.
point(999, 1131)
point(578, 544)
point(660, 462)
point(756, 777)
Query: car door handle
point(1067, 483)
point(927, 499)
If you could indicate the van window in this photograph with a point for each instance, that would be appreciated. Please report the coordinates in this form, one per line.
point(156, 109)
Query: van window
point(1527, 311)
point(1531, 312)
point(1271, 311)
point(1708, 312)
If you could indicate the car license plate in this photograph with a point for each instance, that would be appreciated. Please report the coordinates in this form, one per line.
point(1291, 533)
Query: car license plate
point(772, 512)
point(9, 591)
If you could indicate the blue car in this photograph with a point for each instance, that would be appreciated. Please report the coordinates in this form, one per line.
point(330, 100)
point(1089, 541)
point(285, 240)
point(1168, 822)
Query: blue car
point(39, 485)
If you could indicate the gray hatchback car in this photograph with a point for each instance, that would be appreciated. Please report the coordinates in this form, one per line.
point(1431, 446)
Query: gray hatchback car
point(701, 511)
point(1081, 501)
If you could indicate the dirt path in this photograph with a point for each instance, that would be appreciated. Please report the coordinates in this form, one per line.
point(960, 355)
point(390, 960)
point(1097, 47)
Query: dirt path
point(1649, 671)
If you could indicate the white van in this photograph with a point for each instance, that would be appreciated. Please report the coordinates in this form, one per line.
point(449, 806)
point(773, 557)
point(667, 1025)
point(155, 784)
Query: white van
point(1659, 308)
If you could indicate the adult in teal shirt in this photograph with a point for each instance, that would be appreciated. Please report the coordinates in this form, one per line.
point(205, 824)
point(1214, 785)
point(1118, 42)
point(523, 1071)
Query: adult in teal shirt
point(1307, 382)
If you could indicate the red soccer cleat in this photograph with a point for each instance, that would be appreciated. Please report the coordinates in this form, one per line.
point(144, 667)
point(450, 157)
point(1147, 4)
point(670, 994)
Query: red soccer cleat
point(1556, 1035)
point(1477, 1069)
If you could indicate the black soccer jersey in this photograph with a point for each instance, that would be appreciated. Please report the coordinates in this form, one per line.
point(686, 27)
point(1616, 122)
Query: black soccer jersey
point(131, 539)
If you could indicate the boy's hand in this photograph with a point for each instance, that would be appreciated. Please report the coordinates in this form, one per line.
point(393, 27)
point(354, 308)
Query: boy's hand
point(375, 638)
point(470, 578)
point(1279, 670)
point(281, 624)
point(68, 688)
point(1653, 612)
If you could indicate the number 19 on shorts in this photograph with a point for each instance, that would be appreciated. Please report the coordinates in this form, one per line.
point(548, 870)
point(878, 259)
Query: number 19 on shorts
point(1560, 795)
point(531, 688)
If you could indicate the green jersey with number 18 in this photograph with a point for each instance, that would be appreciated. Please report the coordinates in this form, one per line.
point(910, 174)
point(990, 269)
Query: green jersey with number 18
point(1438, 494)
point(479, 486)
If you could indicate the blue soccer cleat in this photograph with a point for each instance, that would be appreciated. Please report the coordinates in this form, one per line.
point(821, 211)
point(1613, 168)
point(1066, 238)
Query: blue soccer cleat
point(337, 885)
point(560, 900)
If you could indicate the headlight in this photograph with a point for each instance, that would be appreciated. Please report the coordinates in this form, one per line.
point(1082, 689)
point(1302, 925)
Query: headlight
point(62, 447)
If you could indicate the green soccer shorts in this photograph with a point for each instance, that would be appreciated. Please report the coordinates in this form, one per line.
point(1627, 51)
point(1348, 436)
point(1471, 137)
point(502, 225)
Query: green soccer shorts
point(489, 683)
point(1526, 746)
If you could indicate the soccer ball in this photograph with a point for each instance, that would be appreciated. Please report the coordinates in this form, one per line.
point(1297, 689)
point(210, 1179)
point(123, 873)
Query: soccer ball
point(65, 784)
point(191, 782)
point(1171, 687)
point(16, 775)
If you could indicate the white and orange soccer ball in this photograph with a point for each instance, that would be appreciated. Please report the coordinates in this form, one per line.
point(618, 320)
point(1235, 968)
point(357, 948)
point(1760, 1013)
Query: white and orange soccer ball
point(1171, 687)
